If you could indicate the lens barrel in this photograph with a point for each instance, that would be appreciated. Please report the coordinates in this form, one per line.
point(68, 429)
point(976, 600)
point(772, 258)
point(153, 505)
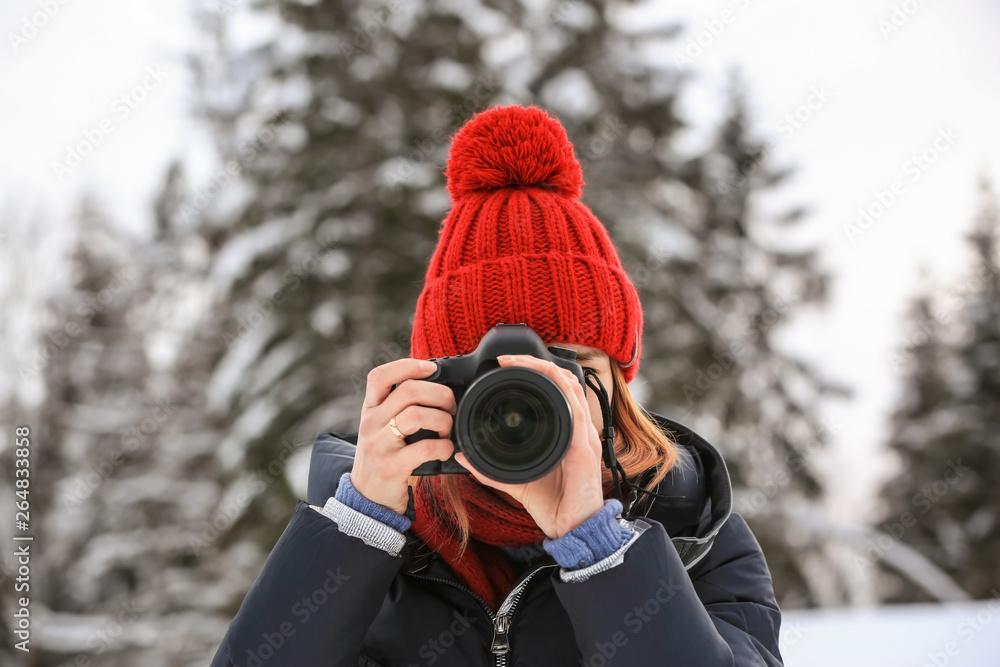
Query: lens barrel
point(514, 424)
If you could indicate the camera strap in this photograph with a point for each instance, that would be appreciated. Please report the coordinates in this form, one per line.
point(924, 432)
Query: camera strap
point(608, 445)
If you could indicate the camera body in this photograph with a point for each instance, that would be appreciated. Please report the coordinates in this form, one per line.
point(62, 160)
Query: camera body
point(514, 424)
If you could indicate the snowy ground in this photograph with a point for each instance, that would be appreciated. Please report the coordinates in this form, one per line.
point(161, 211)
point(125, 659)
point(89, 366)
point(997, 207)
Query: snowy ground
point(956, 635)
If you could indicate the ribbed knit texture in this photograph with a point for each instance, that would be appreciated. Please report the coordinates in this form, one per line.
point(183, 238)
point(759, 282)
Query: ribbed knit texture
point(496, 519)
point(357, 524)
point(347, 494)
point(595, 539)
point(517, 246)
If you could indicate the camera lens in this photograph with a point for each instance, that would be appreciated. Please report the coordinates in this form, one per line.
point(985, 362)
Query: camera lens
point(517, 425)
point(514, 424)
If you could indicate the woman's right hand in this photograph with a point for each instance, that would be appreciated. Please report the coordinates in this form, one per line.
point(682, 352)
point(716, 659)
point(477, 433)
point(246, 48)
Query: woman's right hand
point(383, 463)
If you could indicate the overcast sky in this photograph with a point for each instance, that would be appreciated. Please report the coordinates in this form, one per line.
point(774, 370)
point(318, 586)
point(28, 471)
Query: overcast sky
point(873, 91)
point(912, 100)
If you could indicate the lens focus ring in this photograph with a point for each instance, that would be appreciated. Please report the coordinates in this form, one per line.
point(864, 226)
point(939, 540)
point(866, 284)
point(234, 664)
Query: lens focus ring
point(514, 424)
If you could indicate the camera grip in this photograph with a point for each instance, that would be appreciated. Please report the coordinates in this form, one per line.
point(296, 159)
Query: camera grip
point(434, 467)
point(421, 434)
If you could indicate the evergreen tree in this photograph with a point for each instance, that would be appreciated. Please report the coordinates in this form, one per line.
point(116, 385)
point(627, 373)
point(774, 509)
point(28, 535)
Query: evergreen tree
point(946, 430)
point(316, 272)
point(268, 292)
point(127, 496)
point(251, 319)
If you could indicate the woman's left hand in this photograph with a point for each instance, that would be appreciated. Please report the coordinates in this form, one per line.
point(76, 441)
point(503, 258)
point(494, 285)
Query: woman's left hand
point(572, 492)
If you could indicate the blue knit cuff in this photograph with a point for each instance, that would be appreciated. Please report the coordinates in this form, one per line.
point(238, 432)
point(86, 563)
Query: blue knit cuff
point(347, 494)
point(593, 540)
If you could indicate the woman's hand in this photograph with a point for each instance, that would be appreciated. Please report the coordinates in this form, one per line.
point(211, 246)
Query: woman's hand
point(384, 462)
point(573, 491)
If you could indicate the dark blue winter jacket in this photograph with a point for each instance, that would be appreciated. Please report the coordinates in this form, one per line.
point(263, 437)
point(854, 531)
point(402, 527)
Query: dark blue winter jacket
point(693, 589)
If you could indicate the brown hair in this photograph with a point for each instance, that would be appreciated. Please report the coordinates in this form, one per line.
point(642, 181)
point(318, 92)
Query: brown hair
point(639, 446)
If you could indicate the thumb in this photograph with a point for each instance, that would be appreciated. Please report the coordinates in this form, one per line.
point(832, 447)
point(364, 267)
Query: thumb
point(484, 480)
point(464, 462)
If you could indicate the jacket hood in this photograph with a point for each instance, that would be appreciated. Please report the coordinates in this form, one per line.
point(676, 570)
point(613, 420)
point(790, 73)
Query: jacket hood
point(699, 486)
point(702, 490)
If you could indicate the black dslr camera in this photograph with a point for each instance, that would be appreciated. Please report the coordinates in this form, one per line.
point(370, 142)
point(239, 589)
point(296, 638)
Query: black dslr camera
point(513, 423)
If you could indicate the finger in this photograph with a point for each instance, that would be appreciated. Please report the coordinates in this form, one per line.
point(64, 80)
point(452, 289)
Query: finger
point(565, 379)
point(411, 456)
point(542, 365)
point(382, 378)
point(418, 392)
point(415, 417)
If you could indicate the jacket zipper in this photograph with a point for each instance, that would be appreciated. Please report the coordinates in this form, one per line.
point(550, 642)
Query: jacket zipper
point(502, 619)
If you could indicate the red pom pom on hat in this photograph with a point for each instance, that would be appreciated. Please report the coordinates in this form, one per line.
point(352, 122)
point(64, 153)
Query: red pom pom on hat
point(518, 245)
point(513, 145)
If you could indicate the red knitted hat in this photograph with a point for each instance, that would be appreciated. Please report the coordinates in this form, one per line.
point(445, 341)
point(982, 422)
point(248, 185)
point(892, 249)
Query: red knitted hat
point(518, 245)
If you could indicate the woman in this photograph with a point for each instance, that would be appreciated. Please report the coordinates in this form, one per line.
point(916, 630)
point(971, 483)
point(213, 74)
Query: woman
point(383, 568)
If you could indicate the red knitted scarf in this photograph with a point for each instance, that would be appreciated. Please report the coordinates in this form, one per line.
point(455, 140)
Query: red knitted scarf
point(496, 519)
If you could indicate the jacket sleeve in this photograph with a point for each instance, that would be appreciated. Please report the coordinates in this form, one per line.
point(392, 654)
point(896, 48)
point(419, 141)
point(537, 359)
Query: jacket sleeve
point(313, 601)
point(650, 610)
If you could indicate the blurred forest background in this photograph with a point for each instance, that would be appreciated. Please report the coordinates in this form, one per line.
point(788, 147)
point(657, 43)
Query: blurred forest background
point(186, 375)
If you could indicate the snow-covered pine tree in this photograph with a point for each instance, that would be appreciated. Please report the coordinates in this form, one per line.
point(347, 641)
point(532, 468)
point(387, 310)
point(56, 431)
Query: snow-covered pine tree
point(945, 499)
point(129, 495)
point(316, 267)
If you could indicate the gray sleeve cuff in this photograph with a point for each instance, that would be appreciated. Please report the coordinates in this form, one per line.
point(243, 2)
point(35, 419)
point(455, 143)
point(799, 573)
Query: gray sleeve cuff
point(358, 524)
point(638, 527)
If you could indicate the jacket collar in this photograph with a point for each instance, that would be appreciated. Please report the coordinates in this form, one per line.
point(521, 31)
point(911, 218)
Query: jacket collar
point(702, 491)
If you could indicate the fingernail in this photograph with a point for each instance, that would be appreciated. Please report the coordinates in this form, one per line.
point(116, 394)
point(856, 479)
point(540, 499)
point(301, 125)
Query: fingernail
point(427, 366)
point(505, 357)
